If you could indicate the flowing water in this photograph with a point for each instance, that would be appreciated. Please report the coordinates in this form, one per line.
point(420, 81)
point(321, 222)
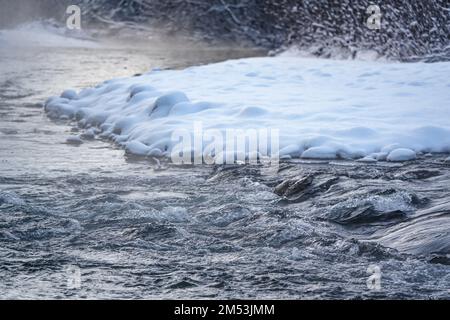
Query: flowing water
point(134, 228)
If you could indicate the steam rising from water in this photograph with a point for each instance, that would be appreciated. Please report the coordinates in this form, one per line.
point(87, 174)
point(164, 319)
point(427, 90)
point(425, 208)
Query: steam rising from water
point(413, 31)
point(13, 13)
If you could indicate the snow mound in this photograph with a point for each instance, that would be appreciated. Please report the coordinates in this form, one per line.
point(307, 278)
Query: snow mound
point(401, 154)
point(323, 109)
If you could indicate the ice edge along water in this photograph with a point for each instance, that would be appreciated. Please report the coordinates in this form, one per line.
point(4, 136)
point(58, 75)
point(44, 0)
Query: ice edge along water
point(324, 109)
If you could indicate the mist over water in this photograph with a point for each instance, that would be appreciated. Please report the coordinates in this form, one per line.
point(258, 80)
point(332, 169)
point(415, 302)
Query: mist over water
point(409, 31)
point(13, 13)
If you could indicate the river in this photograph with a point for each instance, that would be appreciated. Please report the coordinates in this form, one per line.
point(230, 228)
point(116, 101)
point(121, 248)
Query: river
point(132, 228)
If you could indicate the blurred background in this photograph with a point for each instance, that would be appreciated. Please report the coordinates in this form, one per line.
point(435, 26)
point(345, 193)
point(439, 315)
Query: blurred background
point(410, 30)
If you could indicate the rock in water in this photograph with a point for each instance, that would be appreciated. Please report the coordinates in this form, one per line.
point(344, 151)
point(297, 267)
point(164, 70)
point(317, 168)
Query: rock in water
point(293, 186)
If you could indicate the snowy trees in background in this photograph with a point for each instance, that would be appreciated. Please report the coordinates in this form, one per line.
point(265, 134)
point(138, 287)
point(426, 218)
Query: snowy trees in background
point(409, 30)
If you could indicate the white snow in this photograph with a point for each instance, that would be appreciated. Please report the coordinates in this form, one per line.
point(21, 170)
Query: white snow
point(320, 153)
point(324, 109)
point(401, 154)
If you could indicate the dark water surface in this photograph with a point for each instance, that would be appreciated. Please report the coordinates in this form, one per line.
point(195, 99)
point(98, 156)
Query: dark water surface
point(136, 230)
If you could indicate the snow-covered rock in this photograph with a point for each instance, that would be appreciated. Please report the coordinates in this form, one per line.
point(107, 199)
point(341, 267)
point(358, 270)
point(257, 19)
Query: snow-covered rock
point(69, 94)
point(292, 150)
point(401, 154)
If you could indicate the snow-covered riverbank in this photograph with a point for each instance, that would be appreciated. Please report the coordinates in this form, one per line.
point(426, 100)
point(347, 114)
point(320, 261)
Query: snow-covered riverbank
point(323, 108)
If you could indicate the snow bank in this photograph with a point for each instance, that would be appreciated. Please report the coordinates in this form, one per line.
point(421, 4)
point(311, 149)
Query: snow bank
point(324, 109)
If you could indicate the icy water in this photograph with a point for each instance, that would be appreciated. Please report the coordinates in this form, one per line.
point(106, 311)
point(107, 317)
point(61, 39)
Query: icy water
point(137, 229)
